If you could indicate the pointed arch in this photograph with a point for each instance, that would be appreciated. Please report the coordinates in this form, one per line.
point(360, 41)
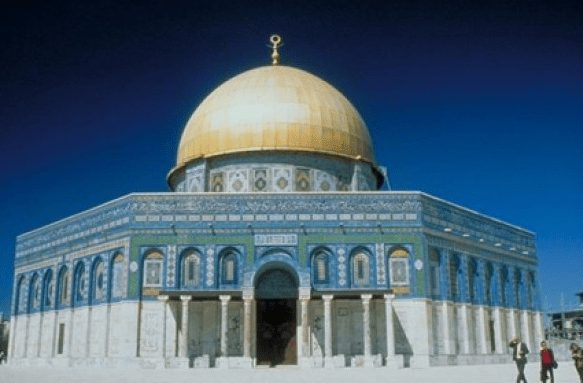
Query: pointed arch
point(48, 289)
point(79, 283)
point(320, 265)
point(229, 266)
point(35, 293)
point(20, 299)
point(63, 286)
point(98, 280)
point(360, 267)
point(190, 268)
point(116, 286)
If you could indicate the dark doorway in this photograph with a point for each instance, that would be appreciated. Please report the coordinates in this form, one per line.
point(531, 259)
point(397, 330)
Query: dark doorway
point(276, 293)
point(276, 332)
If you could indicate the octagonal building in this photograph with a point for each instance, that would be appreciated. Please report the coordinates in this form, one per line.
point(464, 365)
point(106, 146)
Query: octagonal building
point(274, 245)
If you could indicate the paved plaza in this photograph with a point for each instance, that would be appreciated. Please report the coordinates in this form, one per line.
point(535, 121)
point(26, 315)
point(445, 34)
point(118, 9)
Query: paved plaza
point(452, 374)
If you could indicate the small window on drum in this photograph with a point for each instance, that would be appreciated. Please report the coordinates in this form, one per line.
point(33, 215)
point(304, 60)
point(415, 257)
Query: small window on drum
point(320, 267)
point(360, 269)
point(229, 269)
point(153, 269)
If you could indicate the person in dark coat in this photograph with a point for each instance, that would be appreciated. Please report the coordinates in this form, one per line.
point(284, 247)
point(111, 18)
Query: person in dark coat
point(519, 351)
point(547, 362)
point(577, 354)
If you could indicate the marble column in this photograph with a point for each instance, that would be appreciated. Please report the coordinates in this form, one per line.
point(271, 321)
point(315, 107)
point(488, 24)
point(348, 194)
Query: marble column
point(447, 349)
point(164, 300)
point(26, 330)
point(247, 301)
point(12, 337)
point(184, 326)
point(224, 323)
point(389, 298)
point(366, 323)
point(513, 327)
point(498, 342)
point(366, 329)
point(483, 325)
point(526, 331)
point(327, 327)
point(538, 326)
point(464, 328)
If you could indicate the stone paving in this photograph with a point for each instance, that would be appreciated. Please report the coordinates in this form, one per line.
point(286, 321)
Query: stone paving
point(451, 374)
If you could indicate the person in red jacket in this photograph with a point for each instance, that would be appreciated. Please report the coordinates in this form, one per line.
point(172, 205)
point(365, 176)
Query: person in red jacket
point(547, 360)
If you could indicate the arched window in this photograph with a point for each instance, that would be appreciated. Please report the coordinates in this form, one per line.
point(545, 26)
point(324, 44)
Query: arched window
point(64, 286)
point(472, 277)
point(399, 267)
point(454, 265)
point(434, 259)
point(48, 289)
point(229, 268)
point(488, 279)
point(190, 268)
point(153, 269)
point(21, 296)
point(35, 293)
point(516, 288)
point(80, 283)
point(504, 286)
point(117, 276)
point(320, 267)
point(360, 269)
point(98, 280)
point(530, 290)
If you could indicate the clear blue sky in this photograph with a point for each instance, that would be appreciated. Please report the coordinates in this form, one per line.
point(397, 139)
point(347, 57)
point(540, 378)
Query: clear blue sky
point(476, 103)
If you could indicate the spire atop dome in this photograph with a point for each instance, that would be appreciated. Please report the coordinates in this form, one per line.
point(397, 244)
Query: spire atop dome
point(275, 41)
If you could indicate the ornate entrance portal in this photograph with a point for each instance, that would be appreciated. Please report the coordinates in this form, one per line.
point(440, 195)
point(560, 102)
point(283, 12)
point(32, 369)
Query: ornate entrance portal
point(276, 294)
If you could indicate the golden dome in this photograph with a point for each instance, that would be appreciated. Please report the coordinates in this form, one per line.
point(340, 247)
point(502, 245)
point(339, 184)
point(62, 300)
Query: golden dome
point(275, 108)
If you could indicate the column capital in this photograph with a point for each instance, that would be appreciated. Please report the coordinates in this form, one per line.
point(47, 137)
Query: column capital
point(327, 297)
point(163, 298)
point(225, 298)
point(248, 293)
point(389, 297)
point(366, 297)
point(304, 293)
point(185, 298)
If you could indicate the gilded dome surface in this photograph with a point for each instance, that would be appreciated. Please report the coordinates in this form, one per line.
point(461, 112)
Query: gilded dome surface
point(275, 108)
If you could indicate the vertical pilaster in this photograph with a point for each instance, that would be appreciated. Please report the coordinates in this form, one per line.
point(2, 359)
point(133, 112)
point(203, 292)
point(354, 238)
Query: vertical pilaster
point(526, 330)
point(538, 326)
point(12, 336)
point(224, 323)
point(464, 328)
point(366, 323)
point(389, 298)
point(164, 300)
point(327, 325)
point(498, 341)
point(247, 301)
point(26, 329)
point(107, 330)
point(448, 349)
point(483, 325)
point(88, 338)
point(184, 326)
point(304, 329)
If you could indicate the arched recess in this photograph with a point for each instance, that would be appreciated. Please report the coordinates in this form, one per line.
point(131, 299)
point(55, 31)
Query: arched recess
point(20, 299)
point(79, 284)
point(276, 290)
point(229, 265)
point(34, 293)
point(63, 294)
point(361, 270)
point(321, 265)
point(98, 280)
point(276, 281)
point(48, 289)
point(116, 284)
point(190, 269)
